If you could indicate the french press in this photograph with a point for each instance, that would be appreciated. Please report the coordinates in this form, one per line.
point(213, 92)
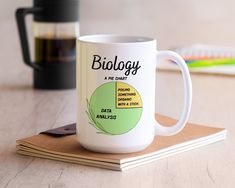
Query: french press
point(55, 29)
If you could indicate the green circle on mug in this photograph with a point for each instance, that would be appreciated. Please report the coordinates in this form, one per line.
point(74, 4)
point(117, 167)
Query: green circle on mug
point(114, 108)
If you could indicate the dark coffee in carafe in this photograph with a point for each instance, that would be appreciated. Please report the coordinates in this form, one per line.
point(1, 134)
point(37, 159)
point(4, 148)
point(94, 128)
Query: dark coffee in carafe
point(51, 50)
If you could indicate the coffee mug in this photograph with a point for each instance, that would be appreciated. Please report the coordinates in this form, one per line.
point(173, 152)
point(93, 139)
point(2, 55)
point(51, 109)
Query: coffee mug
point(116, 93)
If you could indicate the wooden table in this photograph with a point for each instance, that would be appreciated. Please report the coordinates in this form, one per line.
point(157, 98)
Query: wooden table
point(25, 111)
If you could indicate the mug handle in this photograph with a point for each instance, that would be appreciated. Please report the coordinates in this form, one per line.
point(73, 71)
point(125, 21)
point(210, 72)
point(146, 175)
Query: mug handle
point(167, 131)
point(20, 20)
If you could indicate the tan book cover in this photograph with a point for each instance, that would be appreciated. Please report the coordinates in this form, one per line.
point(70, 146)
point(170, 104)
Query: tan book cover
point(68, 149)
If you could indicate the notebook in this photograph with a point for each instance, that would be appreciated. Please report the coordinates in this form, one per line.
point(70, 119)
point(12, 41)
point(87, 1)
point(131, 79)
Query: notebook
point(204, 52)
point(68, 149)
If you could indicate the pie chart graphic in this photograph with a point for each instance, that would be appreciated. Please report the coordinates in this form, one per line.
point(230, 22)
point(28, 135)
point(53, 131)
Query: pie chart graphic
point(114, 108)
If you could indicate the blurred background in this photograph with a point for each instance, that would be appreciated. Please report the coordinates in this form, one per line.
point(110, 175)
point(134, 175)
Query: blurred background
point(173, 23)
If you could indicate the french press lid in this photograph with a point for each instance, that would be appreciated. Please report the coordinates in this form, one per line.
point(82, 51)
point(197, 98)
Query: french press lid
point(56, 10)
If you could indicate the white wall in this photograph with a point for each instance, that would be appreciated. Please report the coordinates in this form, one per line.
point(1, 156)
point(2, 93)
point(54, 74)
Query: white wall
point(172, 22)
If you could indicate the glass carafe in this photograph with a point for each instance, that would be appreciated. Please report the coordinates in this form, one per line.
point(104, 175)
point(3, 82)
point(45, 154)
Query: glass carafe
point(55, 28)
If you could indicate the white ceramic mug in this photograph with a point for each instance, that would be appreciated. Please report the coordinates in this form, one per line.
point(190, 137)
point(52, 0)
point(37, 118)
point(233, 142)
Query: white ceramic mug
point(116, 93)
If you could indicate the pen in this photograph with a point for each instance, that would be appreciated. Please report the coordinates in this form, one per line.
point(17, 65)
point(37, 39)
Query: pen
point(210, 62)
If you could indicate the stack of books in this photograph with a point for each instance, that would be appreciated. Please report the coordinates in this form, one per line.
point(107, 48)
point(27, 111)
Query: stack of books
point(68, 149)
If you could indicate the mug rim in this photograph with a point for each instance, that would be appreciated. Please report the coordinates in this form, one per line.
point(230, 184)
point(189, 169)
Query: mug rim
point(115, 39)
